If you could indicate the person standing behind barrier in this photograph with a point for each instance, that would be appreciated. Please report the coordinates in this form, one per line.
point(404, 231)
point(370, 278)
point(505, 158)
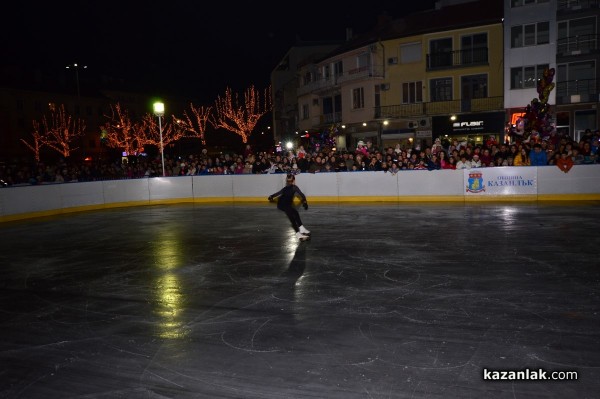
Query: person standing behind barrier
point(521, 159)
point(565, 162)
point(285, 203)
point(537, 156)
point(463, 163)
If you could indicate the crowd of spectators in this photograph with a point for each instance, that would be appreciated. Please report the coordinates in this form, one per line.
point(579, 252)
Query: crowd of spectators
point(553, 149)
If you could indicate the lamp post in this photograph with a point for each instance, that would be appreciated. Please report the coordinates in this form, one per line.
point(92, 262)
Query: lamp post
point(76, 68)
point(159, 110)
point(380, 125)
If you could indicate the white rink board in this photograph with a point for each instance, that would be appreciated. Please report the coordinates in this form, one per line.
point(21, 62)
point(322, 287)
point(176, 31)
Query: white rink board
point(213, 187)
point(81, 194)
point(116, 191)
point(425, 182)
point(256, 186)
point(363, 184)
point(581, 179)
point(166, 188)
point(31, 198)
point(546, 180)
point(318, 184)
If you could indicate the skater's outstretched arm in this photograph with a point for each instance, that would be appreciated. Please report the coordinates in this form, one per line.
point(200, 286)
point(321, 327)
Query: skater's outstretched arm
point(277, 194)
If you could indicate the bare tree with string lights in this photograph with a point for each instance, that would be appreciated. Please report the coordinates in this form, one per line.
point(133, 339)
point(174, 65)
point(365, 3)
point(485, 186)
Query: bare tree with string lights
point(60, 130)
point(121, 132)
point(36, 145)
point(241, 117)
point(149, 132)
point(194, 125)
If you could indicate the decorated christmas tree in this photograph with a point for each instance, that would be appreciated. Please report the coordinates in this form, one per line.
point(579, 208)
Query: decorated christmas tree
point(536, 122)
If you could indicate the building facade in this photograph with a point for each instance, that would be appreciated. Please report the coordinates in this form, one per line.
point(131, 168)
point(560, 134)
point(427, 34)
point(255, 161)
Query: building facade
point(465, 70)
point(578, 65)
point(405, 79)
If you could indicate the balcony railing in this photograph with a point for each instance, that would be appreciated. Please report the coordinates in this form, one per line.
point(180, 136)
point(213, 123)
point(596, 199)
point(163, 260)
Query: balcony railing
point(319, 84)
point(566, 5)
point(336, 117)
point(362, 73)
point(440, 108)
point(580, 44)
point(333, 81)
point(583, 90)
point(458, 58)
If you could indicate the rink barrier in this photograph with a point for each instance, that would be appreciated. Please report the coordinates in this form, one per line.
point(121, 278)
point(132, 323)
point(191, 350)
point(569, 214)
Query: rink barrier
point(499, 184)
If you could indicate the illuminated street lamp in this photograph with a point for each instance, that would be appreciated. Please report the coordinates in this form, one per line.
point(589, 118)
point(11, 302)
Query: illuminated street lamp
point(76, 68)
point(159, 110)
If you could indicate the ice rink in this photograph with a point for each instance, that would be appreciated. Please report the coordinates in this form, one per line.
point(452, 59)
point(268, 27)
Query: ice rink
point(222, 301)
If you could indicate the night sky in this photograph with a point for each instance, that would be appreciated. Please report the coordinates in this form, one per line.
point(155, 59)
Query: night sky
point(186, 48)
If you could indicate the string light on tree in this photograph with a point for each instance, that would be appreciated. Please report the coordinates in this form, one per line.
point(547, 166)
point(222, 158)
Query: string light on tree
point(241, 118)
point(60, 131)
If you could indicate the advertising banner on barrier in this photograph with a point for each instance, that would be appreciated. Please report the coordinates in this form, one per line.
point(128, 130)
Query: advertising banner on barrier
point(501, 181)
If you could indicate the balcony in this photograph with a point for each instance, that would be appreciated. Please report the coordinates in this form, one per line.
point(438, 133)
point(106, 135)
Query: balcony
point(457, 59)
point(578, 91)
point(328, 119)
point(320, 84)
point(361, 73)
point(576, 45)
point(576, 5)
point(402, 111)
point(332, 82)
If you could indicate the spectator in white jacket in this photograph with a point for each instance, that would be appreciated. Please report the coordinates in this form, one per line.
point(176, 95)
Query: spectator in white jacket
point(464, 163)
point(475, 162)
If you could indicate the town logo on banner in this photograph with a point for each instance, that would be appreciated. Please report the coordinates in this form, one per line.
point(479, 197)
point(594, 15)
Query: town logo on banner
point(475, 182)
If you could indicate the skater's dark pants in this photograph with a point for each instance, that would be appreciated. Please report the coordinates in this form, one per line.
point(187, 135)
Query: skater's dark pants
point(294, 217)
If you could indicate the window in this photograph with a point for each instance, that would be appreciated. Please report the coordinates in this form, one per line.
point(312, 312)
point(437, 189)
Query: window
point(527, 76)
point(307, 78)
point(474, 48)
point(474, 86)
point(332, 108)
point(326, 72)
point(305, 112)
point(410, 53)
point(440, 53)
point(543, 33)
point(576, 78)
point(338, 68)
point(358, 98)
point(577, 34)
point(530, 35)
point(516, 36)
point(364, 60)
point(412, 92)
point(440, 89)
point(327, 105)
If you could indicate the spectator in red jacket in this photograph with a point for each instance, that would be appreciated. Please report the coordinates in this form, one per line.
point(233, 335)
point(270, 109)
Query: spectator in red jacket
point(565, 162)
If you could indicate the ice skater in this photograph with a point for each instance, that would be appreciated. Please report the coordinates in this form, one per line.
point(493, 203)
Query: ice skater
point(285, 203)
